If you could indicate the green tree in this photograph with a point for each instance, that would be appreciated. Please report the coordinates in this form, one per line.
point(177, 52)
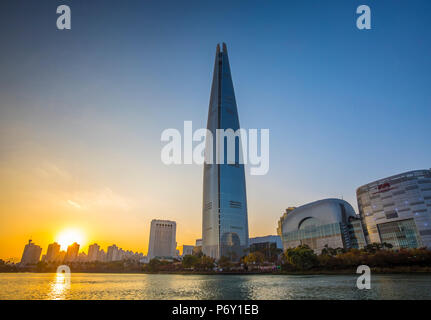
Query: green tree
point(190, 261)
point(41, 266)
point(224, 262)
point(206, 263)
point(301, 257)
point(329, 251)
point(254, 258)
point(373, 247)
point(198, 254)
point(154, 265)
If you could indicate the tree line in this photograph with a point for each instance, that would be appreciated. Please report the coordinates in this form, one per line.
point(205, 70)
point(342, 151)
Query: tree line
point(379, 256)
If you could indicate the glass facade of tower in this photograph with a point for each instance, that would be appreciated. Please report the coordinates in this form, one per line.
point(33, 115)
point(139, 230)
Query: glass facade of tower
point(397, 209)
point(224, 212)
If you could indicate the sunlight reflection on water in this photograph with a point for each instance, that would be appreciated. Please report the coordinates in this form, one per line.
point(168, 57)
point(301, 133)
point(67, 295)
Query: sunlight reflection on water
point(143, 286)
point(59, 286)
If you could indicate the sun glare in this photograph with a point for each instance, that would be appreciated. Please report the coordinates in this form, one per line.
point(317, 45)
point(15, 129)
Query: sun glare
point(69, 236)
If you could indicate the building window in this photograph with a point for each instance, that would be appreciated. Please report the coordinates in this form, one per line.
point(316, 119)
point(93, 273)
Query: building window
point(235, 204)
point(401, 234)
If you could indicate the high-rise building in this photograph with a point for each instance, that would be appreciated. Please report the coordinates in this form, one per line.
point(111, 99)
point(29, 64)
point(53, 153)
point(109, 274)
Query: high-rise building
point(121, 254)
point(52, 253)
point(397, 209)
point(327, 222)
point(162, 239)
point(93, 252)
point(61, 256)
point(101, 256)
point(224, 212)
point(82, 257)
point(72, 252)
point(31, 254)
point(113, 253)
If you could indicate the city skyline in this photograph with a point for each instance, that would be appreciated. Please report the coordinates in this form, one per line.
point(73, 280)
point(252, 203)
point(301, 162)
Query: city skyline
point(33, 253)
point(394, 214)
point(81, 117)
point(94, 252)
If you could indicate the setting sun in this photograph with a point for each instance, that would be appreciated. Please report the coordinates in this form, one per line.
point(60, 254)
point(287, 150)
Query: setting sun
point(69, 236)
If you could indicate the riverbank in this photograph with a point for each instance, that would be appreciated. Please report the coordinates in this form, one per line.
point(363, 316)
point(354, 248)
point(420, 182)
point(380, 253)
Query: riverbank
point(376, 270)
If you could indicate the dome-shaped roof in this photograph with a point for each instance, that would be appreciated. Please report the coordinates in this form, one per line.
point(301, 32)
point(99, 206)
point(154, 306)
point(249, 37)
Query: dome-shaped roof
point(320, 212)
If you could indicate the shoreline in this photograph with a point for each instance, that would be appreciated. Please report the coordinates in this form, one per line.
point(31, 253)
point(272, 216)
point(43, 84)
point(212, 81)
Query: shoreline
point(409, 270)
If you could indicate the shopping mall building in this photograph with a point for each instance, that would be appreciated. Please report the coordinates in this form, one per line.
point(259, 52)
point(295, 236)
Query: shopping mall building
point(327, 222)
point(397, 210)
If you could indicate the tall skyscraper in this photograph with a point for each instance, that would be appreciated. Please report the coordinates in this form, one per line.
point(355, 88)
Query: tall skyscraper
point(224, 212)
point(52, 253)
point(162, 239)
point(31, 254)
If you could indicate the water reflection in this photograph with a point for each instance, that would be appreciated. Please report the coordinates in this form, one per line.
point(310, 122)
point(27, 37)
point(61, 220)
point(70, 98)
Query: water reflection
point(165, 286)
point(60, 285)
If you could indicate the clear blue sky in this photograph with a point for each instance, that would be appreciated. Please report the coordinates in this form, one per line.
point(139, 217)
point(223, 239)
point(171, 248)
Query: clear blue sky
point(344, 106)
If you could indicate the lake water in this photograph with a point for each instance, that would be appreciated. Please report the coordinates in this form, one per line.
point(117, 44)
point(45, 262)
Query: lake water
point(164, 286)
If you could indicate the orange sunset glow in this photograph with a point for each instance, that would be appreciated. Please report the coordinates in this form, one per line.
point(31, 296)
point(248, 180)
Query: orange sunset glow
point(69, 236)
point(108, 197)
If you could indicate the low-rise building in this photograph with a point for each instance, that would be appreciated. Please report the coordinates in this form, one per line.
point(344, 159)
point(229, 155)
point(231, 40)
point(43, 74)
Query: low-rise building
point(187, 250)
point(267, 239)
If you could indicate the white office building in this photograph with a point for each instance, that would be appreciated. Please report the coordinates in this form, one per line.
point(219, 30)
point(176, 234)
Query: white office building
point(163, 242)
